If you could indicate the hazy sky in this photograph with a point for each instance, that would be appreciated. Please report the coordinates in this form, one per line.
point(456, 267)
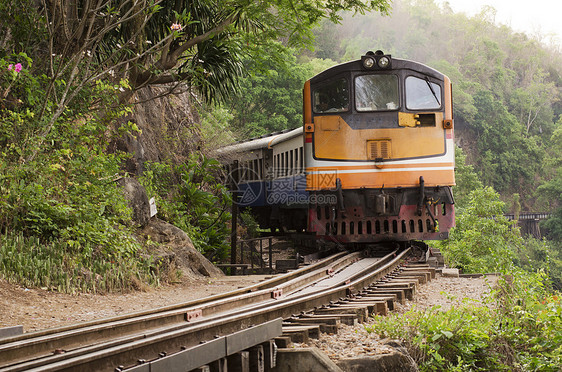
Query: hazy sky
point(529, 16)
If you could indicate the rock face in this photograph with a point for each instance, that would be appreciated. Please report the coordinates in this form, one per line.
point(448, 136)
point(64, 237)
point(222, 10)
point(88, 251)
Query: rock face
point(167, 126)
point(175, 249)
point(168, 132)
point(136, 197)
point(178, 250)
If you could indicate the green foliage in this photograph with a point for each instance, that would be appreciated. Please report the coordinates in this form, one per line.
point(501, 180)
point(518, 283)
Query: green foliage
point(551, 190)
point(553, 226)
point(483, 239)
point(64, 221)
point(215, 127)
point(509, 159)
point(192, 197)
point(201, 43)
point(270, 98)
point(59, 205)
point(58, 265)
point(249, 222)
point(542, 256)
point(518, 328)
point(530, 320)
point(21, 20)
point(466, 180)
point(443, 340)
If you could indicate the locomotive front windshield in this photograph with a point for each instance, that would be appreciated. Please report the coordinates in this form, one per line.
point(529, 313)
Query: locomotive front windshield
point(332, 97)
point(422, 94)
point(376, 92)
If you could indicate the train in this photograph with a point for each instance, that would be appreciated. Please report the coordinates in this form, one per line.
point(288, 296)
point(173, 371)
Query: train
point(373, 161)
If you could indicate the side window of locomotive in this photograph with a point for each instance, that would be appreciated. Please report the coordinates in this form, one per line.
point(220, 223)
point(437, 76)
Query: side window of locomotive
point(421, 94)
point(376, 92)
point(331, 97)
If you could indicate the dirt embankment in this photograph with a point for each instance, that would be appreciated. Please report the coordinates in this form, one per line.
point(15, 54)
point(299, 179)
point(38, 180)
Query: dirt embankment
point(37, 309)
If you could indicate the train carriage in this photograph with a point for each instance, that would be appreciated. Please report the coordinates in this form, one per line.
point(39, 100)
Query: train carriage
point(374, 160)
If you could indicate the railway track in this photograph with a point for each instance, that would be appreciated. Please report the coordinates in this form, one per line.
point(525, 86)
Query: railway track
point(199, 332)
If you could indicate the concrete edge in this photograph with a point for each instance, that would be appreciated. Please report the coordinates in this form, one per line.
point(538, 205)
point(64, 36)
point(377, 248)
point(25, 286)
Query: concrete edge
point(11, 331)
point(310, 359)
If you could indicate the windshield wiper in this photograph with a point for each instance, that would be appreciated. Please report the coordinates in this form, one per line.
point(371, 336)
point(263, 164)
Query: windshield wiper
point(432, 91)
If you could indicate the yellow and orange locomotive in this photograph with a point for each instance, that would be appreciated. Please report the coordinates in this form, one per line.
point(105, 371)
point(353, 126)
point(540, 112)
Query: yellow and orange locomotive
point(374, 160)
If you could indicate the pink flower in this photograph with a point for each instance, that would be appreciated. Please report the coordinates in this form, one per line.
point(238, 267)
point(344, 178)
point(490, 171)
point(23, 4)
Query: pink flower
point(175, 26)
point(17, 67)
point(10, 66)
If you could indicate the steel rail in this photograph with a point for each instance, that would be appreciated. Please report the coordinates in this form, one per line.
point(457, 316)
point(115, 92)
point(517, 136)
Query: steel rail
point(126, 351)
point(44, 343)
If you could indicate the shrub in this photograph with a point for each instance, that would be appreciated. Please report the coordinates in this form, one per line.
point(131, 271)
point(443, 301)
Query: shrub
point(483, 240)
point(64, 222)
point(192, 197)
point(519, 329)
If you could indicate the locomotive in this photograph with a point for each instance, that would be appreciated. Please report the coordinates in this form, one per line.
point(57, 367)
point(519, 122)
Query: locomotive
point(373, 161)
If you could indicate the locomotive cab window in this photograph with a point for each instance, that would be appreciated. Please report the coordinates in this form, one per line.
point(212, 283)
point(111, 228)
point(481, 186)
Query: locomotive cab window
point(332, 97)
point(421, 94)
point(376, 93)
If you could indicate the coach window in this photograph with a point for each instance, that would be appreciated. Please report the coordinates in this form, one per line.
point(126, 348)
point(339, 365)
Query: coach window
point(421, 94)
point(331, 97)
point(376, 93)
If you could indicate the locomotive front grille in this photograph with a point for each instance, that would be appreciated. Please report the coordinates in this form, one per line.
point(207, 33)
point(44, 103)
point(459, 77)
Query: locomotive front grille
point(379, 149)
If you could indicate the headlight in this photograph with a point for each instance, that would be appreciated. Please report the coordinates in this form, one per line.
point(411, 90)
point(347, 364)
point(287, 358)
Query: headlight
point(384, 62)
point(368, 62)
point(376, 61)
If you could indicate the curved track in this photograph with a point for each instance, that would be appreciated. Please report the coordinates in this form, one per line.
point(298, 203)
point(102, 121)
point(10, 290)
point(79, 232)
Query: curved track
point(124, 340)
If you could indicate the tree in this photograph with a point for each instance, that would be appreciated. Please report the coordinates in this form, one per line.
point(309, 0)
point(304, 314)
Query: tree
point(466, 180)
point(166, 41)
point(138, 43)
point(508, 159)
point(551, 190)
point(533, 102)
point(270, 97)
point(483, 239)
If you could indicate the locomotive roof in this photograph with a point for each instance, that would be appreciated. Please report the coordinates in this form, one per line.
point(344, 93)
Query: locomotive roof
point(357, 66)
point(260, 142)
